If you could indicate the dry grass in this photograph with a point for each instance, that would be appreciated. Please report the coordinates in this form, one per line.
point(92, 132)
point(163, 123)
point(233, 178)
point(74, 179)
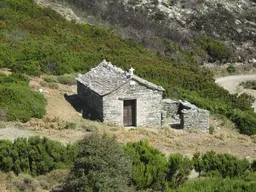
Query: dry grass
point(23, 182)
point(3, 182)
point(49, 85)
point(53, 179)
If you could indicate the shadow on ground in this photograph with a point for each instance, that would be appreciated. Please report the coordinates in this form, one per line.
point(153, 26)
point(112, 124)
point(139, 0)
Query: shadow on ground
point(81, 106)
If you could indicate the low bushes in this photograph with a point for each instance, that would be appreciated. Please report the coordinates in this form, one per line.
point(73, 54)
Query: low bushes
point(149, 165)
point(213, 184)
point(100, 163)
point(152, 170)
point(35, 156)
point(249, 85)
point(224, 165)
point(67, 79)
point(18, 100)
point(216, 49)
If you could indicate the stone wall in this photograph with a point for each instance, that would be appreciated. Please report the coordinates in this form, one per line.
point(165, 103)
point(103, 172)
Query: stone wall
point(93, 108)
point(170, 112)
point(186, 114)
point(148, 102)
point(195, 119)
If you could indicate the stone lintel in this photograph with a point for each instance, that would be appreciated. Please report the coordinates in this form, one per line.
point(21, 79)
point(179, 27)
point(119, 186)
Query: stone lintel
point(127, 98)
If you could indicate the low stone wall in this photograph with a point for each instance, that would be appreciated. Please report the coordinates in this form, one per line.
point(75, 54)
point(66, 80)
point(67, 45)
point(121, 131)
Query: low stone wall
point(186, 114)
point(170, 112)
point(195, 119)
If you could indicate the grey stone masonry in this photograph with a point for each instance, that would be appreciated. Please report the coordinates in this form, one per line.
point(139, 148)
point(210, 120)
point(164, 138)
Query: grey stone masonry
point(116, 96)
point(170, 112)
point(93, 108)
point(193, 117)
point(148, 102)
point(106, 88)
point(184, 114)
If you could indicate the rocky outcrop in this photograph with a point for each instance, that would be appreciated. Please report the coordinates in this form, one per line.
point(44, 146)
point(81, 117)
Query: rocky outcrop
point(231, 21)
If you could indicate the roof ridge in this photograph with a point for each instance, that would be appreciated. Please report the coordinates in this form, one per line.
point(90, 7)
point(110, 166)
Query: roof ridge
point(105, 78)
point(109, 65)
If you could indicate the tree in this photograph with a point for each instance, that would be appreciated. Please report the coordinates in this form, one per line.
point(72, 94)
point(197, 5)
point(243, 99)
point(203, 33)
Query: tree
point(100, 166)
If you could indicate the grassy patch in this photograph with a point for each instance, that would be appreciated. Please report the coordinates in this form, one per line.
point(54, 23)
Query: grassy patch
point(67, 79)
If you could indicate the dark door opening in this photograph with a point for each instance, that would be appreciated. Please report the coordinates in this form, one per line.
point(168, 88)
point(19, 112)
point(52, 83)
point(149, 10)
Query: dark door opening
point(129, 113)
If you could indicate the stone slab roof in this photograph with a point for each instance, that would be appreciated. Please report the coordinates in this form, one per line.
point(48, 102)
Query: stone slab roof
point(106, 78)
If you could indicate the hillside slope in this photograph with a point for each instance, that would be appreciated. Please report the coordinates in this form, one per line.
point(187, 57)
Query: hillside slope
point(231, 22)
point(37, 40)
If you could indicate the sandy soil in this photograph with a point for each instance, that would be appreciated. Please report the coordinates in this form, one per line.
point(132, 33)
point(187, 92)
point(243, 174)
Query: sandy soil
point(231, 83)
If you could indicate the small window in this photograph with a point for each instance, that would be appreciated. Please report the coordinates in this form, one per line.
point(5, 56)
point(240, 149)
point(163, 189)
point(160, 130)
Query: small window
point(132, 85)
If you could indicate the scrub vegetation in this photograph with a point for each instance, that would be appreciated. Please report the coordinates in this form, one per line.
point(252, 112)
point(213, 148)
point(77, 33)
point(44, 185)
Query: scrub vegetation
point(37, 40)
point(100, 163)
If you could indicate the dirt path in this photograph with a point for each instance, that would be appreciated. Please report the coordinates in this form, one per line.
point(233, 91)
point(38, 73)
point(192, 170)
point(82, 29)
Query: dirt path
point(231, 83)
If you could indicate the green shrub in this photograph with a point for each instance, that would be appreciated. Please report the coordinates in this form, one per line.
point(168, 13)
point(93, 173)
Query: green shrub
point(149, 165)
point(100, 166)
point(50, 80)
point(231, 69)
point(216, 49)
point(245, 121)
point(67, 80)
point(253, 166)
point(70, 125)
point(18, 100)
point(224, 165)
point(14, 78)
point(214, 184)
point(91, 128)
point(35, 156)
point(21, 103)
point(179, 168)
point(211, 130)
point(249, 85)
